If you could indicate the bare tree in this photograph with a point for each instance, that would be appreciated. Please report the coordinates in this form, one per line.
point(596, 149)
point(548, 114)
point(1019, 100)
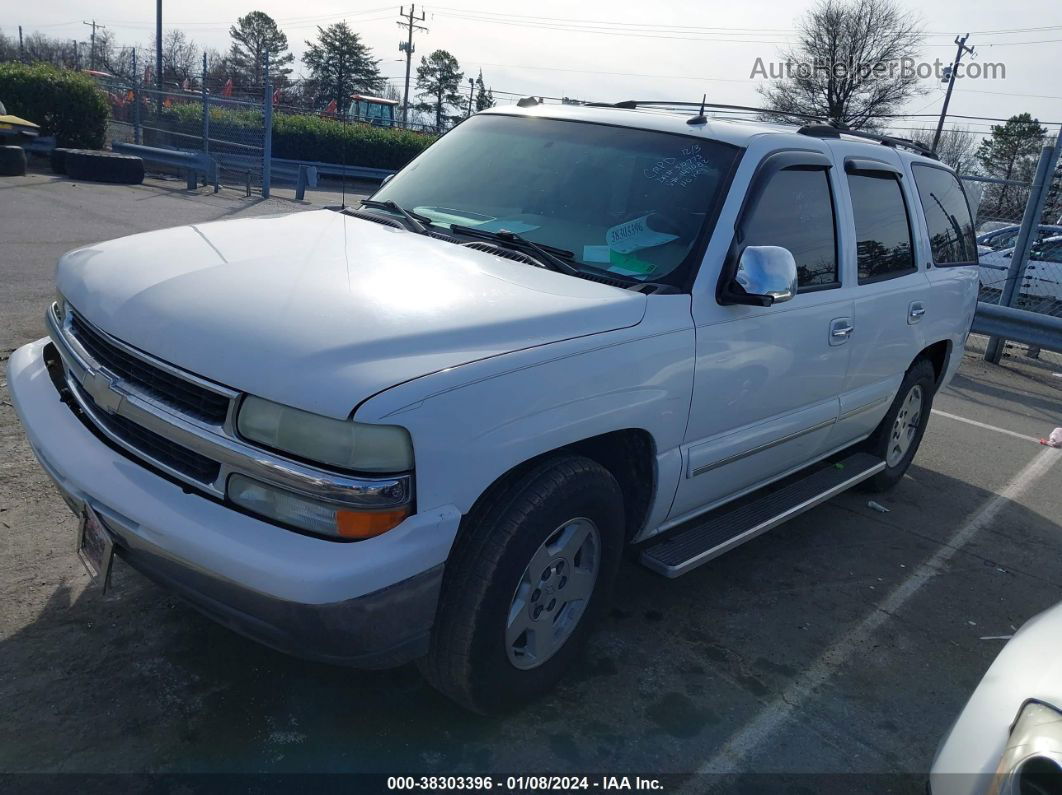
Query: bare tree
point(957, 146)
point(180, 57)
point(848, 65)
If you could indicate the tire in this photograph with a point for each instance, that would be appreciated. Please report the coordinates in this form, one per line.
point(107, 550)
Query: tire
point(516, 534)
point(57, 159)
point(898, 436)
point(12, 161)
point(94, 166)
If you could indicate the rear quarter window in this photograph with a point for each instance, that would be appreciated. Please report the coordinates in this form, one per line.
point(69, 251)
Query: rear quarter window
point(947, 214)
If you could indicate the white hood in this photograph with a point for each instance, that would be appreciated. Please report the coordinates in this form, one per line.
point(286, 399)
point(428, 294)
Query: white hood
point(321, 310)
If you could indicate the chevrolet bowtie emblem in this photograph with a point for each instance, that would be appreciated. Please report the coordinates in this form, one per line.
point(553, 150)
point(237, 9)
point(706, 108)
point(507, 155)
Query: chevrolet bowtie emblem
point(102, 389)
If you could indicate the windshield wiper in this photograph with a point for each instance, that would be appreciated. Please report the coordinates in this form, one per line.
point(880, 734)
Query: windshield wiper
point(416, 221)
point(550, 256)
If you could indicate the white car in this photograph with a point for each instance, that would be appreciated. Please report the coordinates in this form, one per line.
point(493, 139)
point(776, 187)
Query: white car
point(1008, 738)
point(428, 428)
point(1043, 272)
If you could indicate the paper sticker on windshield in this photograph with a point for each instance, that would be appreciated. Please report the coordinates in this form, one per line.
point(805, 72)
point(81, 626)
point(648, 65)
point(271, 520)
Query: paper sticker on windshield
point(629, 265)
point(508, 224)
point(679, 171)
point(635, 235)
point(596, 253)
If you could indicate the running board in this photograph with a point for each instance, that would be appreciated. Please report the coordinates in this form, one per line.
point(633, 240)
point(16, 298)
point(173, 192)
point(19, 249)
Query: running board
point(721, 530)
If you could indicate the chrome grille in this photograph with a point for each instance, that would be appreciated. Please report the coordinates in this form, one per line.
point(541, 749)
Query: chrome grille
point(176, 392)
point(156, 448)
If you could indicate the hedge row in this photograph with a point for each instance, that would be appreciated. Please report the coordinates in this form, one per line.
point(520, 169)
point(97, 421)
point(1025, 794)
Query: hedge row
point(65, 104)
point(306, 137)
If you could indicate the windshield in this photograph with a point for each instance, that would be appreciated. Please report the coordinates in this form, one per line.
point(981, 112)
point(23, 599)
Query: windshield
point(625, 201)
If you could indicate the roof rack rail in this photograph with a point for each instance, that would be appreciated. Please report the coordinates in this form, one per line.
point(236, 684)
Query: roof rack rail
point(833, 131)
point(632, 104)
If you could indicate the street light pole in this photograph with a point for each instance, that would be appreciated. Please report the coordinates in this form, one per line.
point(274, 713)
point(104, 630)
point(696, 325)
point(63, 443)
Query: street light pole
point(471, 88)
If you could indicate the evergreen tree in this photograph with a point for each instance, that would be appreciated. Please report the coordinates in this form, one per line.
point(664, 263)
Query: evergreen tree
point(1010, 152)
point(253, 36)
point(484, 96)
point(341, 65)
point(439, 79)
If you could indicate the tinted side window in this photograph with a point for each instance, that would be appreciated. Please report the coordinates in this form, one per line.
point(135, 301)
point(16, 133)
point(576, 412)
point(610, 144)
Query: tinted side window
point(1004, 241)
point(796, 212)
point(1048, 252)
point(951, 231)
point(883, 234)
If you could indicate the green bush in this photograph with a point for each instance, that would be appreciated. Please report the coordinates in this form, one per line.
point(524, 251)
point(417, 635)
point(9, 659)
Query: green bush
point(306, 137)
point(65, 104)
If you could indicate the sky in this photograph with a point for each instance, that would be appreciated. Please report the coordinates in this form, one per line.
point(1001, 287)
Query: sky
point(609, 51)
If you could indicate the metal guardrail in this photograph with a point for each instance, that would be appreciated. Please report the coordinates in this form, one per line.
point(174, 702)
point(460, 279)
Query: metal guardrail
point(304, 173)
point(1031, 328)
point(192, 163)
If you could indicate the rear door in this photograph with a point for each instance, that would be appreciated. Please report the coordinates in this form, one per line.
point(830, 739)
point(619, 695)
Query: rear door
point(891, 297)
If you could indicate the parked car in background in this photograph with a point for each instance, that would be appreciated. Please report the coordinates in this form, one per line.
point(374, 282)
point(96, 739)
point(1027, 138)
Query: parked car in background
point(1008, 738)
point(1043, 272)
point(430, 427)
point(1005, 237)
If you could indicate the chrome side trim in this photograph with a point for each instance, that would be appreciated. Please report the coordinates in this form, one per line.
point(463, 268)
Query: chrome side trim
point(730, 459)
point(709, 554)
point(865, 407)
point(232, 454)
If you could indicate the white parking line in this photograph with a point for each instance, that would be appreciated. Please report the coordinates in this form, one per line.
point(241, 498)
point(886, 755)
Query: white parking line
point(756, 733)
point(985, 425)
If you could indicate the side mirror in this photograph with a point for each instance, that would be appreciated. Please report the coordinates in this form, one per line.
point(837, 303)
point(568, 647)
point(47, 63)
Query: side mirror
point(767, 273)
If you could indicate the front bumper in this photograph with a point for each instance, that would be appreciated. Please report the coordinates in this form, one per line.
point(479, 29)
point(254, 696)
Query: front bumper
point(369, 604)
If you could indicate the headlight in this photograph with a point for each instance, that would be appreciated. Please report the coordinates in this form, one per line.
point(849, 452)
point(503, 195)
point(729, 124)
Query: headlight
point(323, 518)
point(1032, 761)
point(349, 445)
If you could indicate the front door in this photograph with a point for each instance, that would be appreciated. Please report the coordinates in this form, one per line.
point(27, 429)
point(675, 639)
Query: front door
point(767, 379)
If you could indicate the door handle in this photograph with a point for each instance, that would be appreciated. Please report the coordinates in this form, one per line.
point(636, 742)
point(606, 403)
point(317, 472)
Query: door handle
point(915, 312)
point(840, 329)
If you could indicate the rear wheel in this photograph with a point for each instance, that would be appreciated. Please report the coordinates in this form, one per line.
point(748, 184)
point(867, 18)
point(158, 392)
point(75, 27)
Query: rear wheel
point(899, 435)
point(525, 582)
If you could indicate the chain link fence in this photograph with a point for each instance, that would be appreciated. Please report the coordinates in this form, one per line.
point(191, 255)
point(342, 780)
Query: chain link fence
point(1018, 218)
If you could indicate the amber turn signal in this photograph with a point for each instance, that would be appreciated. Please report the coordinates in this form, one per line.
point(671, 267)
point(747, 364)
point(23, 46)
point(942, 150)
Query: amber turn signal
point(366, 524)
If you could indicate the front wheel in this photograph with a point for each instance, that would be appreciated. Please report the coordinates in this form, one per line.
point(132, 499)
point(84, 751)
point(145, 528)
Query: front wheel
point(897, 438)
point(527, 578)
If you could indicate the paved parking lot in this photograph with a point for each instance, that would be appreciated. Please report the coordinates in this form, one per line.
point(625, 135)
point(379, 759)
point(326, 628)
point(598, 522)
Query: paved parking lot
point(845, 641)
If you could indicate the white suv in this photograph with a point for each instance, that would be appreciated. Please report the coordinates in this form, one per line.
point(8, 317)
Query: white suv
point(429, 427)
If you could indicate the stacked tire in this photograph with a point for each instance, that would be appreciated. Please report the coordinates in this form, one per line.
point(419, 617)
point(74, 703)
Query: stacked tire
point(12, 161)
point(94, 166)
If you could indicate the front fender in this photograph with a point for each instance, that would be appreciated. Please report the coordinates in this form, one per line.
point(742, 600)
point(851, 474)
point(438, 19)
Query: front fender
point(472, 424)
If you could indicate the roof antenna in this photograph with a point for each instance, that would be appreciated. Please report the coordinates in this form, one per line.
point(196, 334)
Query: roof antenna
point(700, 118)
point(343, 131)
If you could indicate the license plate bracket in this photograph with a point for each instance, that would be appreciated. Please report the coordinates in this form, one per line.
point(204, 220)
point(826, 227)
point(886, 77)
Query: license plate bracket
point(95, 547)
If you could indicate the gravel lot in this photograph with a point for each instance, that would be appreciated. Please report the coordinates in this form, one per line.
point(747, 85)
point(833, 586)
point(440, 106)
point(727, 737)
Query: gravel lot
point(797, 653)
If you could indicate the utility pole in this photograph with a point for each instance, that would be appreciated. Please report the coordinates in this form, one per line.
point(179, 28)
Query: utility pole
point(409, 23)
point(961, 42)
point(77, 58)
point(22, 53)
point(92, 51)
point(471, 88)
point(158, 57)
